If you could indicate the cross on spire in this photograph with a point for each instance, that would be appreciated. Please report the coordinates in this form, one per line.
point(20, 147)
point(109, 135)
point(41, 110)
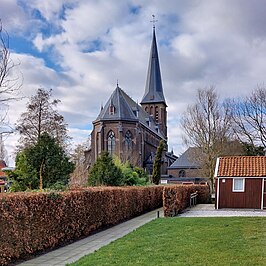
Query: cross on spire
point(153, 21)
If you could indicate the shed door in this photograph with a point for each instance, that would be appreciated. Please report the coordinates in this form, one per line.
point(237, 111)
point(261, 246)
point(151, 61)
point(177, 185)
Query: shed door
point(264, 195)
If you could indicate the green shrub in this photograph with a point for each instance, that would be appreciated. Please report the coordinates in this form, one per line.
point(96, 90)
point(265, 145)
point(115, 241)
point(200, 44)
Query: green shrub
point(112, 172)
point(132, 176)
point(105, 172)
point(58, 186)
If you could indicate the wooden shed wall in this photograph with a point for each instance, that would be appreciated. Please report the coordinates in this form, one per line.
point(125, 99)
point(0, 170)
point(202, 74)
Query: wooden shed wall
point(249, 199)
point(264, 197)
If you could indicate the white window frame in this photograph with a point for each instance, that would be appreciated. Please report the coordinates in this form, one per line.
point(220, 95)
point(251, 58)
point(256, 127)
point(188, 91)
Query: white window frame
point(243, 187)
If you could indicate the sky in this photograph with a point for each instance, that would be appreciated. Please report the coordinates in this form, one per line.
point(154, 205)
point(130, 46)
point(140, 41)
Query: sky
point(80, 48)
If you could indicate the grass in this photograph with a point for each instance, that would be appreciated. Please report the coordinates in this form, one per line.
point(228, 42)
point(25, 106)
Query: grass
point(188, 241)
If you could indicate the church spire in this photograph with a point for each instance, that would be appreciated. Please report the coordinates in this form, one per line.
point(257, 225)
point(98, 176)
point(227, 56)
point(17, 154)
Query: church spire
point(153, 101)
point(153, 89)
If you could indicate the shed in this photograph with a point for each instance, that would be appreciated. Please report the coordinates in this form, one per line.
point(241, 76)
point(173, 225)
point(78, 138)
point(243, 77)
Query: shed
point(240, 182)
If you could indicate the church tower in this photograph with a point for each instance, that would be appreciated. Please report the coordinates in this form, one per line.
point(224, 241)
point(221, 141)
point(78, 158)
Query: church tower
point(153, 101)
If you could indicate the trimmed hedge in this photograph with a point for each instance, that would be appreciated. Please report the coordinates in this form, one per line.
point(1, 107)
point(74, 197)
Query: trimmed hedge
point(177, 198)
point(34, 222)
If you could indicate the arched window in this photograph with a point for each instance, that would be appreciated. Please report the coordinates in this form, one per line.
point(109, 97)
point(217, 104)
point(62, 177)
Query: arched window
point(182, 173)
point(128, 140)
point(156, 113)
point(98, 143)
point(151, 110)
point(111, 142)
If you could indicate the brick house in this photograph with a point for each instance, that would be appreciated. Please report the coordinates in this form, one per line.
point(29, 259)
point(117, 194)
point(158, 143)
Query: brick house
point(2, 176)
point(188, 165)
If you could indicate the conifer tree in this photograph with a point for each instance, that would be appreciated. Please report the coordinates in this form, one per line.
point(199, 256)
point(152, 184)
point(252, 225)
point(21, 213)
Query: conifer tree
point(156, 171)
point(105, 172)
point(43, 165)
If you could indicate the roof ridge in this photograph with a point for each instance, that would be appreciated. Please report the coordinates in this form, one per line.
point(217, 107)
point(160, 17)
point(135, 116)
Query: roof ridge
point(125, 100)
point(243, 156)
point(119, 105)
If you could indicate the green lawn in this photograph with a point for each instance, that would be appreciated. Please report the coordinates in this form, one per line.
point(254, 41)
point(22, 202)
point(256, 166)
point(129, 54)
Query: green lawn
point(188, 241)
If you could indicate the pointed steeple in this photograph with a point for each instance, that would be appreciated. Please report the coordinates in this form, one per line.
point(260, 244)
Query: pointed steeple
point(153, 89)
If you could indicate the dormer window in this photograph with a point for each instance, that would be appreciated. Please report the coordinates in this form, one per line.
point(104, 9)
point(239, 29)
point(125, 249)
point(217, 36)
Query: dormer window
point(111, 110)
point(148, 122)
point(135, 110)
point(136, 113)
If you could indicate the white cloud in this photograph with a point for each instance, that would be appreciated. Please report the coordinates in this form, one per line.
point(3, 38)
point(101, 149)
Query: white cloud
point(12, 16)
point(201, 43)
point(49, 9)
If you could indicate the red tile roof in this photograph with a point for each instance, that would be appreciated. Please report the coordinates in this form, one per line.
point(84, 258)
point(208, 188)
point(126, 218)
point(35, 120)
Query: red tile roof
point(2, 165)
point(246, 166)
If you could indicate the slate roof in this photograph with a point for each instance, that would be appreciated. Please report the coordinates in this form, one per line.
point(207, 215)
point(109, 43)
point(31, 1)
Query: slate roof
point(242, 166)
point(122, 108)
point(126, 109)
point(153, 89)
point(188, 160)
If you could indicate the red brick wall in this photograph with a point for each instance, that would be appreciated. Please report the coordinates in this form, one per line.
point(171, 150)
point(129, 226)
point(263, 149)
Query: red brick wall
point(189, 172)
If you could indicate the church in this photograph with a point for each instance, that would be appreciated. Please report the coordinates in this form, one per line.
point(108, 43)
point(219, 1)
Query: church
point(131, 131)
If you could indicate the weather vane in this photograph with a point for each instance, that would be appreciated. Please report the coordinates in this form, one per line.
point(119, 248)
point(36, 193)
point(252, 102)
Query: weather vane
point(153, 21)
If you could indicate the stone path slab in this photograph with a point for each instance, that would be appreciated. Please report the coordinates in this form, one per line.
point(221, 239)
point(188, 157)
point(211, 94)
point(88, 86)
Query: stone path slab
point(78, 249)
point(208, 210)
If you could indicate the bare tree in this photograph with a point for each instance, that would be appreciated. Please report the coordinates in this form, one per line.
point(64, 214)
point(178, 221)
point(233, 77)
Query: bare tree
point(80, 175)
point(207, 125)
point(249, 117)
point(10, 83)
point(41, 117)
point(3, 151)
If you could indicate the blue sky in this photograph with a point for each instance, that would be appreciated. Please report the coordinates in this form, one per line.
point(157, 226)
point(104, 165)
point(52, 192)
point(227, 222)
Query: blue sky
point(79, 48)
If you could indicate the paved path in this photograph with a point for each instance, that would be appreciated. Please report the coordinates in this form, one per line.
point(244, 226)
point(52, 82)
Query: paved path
point(208, 210)
point(78, 249)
